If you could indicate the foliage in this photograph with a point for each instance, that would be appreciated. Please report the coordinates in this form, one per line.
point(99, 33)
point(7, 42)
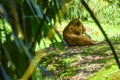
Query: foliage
point(22, 25)
point(106, 11)
point(75, 10)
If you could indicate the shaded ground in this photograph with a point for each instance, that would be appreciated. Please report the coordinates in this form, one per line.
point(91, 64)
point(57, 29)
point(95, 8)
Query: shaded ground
point(78, 63)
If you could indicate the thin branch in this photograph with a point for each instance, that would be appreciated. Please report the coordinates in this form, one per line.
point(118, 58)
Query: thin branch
point(100, 27)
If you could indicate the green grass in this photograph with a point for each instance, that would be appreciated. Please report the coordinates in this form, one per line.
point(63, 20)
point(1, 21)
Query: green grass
point(105, 73)
point(115, 76)
point(109, 30)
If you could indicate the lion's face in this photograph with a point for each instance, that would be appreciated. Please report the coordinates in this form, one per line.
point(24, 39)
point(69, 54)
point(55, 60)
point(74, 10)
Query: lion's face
point(77, 26)
point(74, 27)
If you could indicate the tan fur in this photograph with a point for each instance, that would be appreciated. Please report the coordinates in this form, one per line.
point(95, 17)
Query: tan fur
point(73, 34)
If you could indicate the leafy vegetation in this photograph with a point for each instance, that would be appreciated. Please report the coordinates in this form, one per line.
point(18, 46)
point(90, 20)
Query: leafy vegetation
point(107, 11)
point(28, 24)
point(31, 46)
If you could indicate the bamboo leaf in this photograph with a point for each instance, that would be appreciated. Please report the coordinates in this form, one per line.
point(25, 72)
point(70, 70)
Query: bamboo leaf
point(4, 74)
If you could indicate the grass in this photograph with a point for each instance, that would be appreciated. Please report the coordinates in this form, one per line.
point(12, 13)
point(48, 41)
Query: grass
point(105, 73)
point(109, 30)
point(68, 65)
point(115, 76)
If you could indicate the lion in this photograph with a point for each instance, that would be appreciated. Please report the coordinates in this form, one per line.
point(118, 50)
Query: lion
point(74, 34)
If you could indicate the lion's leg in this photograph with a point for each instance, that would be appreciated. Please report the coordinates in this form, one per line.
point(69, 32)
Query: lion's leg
point(84, 41)
point(79, 40)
